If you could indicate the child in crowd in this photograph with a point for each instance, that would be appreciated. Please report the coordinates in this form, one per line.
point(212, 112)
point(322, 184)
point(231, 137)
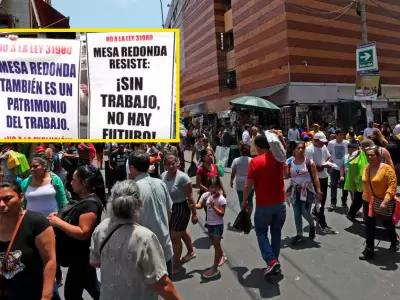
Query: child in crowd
point(215, 203)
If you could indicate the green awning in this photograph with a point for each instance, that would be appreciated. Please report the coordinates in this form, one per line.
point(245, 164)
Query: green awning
point(252, 102)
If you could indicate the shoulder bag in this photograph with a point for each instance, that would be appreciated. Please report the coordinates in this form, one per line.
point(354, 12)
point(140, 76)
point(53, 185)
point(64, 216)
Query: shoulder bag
point(4, 262)
point(109, 236)
point(378, 202)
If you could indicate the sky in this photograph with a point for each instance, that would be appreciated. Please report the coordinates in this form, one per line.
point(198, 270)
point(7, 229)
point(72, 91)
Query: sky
point(112, 13)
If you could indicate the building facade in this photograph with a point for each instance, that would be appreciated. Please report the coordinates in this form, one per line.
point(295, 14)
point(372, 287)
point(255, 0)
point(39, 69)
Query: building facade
point(30, 14)
point(285, 51)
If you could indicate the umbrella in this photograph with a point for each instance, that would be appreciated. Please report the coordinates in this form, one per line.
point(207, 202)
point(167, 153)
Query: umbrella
point(252, 102)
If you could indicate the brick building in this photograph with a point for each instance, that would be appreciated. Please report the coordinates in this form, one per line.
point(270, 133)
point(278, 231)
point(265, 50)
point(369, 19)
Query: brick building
point(288, 51)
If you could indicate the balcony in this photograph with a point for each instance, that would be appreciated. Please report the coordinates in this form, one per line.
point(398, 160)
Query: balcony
point(228, 20)
point(230, 60)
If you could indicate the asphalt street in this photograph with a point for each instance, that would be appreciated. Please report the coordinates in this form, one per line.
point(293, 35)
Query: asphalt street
point(325, 269)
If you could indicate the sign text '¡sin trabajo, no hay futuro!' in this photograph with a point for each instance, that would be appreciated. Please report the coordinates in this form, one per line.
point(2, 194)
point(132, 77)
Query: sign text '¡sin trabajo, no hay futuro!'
point(39, 68)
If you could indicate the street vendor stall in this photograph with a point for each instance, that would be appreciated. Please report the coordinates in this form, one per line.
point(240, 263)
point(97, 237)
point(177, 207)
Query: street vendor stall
point(256, 105)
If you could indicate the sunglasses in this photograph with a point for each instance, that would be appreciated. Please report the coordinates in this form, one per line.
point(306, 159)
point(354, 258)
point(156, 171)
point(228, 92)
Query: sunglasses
point(370, 148)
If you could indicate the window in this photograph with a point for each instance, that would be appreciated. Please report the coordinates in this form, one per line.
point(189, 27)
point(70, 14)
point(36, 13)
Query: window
point(227, 41)
point(227, 80)
point(228, 4)
point(230, 45)
point(231, 79)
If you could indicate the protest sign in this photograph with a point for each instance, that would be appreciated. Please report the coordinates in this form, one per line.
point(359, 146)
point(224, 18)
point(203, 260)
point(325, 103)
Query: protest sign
point(39, 89)
point(131, 81)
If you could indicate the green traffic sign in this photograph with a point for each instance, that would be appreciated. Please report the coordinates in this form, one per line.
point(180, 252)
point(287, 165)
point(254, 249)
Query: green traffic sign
point(366, 58)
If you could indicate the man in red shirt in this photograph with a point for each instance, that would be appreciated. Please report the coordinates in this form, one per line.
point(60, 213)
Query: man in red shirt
point(266, 175)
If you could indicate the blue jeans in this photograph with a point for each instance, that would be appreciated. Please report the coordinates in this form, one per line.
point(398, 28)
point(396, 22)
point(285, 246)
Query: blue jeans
point(302, 209)
point(266, 217)
point(56, 294)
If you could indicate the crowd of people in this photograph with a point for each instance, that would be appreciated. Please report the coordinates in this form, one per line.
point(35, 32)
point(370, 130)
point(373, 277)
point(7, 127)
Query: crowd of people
point(59, 215)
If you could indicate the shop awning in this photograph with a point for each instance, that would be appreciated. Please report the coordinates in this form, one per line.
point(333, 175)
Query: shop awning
point(255, 103)
point(50, 17)
point(195, 109)
point(268, 91)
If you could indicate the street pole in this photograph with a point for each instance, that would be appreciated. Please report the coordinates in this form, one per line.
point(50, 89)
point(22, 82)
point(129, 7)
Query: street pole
point(364, 38)
point(162, 14)
point(363, 16)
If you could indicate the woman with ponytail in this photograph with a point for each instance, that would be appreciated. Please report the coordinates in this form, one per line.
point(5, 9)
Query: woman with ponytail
point(74, 228)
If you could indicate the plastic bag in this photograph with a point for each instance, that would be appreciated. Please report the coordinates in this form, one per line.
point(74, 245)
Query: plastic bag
point(354, 173)
point(243, 222)
point(12, 160)
point(221, 170)
point(276, 146)
point(192, 170)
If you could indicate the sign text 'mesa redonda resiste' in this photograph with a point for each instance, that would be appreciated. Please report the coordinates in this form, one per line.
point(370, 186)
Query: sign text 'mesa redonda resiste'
point(131, 85)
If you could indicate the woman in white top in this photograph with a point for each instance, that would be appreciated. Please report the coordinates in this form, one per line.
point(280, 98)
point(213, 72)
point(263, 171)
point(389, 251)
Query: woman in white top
point(303, 189)
point(240, 167)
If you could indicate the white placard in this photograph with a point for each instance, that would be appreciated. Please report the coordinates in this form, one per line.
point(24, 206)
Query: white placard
point(131, 81)
point(39, 89)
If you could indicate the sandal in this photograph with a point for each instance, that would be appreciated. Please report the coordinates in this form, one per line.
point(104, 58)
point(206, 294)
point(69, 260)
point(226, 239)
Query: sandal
point(188, 258)
point(222, 260)
point(208, 274)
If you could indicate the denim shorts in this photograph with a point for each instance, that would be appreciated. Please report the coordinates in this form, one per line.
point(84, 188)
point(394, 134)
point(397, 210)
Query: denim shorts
point(216, 230)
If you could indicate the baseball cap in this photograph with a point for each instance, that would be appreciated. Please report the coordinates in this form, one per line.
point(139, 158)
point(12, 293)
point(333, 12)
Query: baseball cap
point(320, 136)
point(121, 145)
point(40, 149)
point(367, 143)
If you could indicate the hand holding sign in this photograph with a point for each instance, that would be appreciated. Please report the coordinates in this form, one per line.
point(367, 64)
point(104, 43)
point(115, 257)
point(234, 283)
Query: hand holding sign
point(84, 89)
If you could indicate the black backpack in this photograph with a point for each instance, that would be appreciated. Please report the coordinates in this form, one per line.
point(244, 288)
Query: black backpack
point(63, 241)
point(68, 165)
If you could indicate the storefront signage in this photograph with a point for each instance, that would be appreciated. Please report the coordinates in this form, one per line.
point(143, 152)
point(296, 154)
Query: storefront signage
point(302, 109)
point(367, 59)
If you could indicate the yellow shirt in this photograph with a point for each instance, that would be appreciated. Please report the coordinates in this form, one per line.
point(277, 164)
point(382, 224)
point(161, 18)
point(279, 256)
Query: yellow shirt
point(361, 138)
point(313, 133)
point(384, 184)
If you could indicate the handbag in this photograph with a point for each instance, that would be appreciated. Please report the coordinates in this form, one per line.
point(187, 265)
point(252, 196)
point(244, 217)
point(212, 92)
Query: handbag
point(4, 263)
point(378, 202)
point(192, 170)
